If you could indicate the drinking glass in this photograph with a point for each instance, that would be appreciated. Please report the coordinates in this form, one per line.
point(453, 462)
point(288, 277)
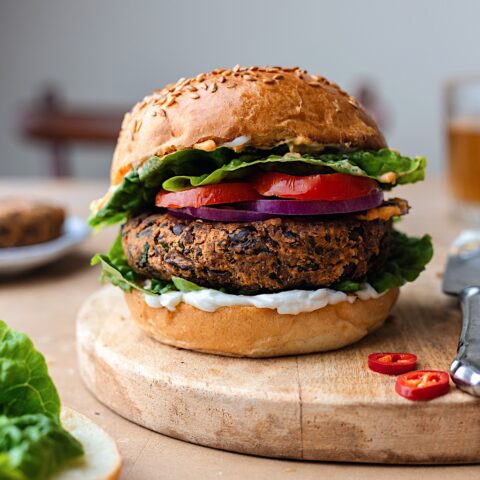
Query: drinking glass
point(462, 97)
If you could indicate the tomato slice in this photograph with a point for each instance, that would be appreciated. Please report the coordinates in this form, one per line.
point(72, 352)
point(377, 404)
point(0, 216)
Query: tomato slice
point(391, 363)
point(423, 384)
point(330, 186)
point(207, 195)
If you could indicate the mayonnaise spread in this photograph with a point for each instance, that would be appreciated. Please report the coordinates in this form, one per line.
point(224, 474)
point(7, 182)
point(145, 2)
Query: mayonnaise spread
point(290, 302)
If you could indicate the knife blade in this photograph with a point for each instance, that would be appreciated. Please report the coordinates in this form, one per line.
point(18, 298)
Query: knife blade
point(462, 278)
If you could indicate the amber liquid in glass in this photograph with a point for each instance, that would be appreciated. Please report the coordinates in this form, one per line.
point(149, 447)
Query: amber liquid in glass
point(464, 159)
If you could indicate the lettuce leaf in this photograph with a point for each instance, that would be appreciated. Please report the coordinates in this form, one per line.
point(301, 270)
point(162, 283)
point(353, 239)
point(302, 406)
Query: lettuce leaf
point(116, 270)
point(32, 447)
point(191, 168)
point(407, 258)
point(25, 386)
point(365, 164)
point(33, 442)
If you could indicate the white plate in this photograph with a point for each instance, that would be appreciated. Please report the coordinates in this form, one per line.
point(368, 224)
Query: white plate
point(20, 259)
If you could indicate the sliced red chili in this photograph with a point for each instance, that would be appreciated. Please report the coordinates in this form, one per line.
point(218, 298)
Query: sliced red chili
point(423, 384)
point(391, 363)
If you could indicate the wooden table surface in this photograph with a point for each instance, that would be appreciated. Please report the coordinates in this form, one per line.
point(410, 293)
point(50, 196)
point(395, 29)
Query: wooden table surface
point(44, 305)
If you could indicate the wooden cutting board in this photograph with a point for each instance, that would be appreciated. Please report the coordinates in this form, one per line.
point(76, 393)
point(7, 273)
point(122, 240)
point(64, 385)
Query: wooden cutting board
point(314, 407)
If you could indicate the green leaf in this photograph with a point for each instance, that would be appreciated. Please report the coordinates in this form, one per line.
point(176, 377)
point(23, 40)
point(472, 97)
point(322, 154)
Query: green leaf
point(33, 442)
point(365, 164)
point(407, 259)
point(117, 271)
point(191, 168)
point(128, 196)
point(25, 385)
point(185, 286)
point(32, 447)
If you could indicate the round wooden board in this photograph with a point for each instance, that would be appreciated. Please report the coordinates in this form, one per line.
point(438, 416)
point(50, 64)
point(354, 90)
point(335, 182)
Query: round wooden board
point(314, 407)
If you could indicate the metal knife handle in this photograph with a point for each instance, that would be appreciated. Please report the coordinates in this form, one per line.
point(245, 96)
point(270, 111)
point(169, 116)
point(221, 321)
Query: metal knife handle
point(465, 369)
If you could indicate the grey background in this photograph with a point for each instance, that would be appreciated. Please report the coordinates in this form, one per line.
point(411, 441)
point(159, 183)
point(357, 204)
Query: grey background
point(114, 52)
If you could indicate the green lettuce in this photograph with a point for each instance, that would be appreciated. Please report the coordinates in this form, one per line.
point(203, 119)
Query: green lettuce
point(364, 164)
point(407, 258)
point(33, 443)
point(116, 270)
point(34, 446)
point(191, 168)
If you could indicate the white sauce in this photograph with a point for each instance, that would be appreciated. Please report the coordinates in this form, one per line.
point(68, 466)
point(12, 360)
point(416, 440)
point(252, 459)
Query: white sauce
point(236, 142)
point(290, 302)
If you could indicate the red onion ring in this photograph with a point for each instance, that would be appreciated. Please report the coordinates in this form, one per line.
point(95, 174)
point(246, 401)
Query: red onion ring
point(314, 207)
point(259, 210)
point(219, 214)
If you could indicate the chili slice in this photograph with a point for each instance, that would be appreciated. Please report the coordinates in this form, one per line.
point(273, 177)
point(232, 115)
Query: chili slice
point(423, 384)
point(391, 363)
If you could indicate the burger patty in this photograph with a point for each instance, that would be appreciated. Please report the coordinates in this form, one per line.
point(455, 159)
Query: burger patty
point(268, 256)
point(25, 222)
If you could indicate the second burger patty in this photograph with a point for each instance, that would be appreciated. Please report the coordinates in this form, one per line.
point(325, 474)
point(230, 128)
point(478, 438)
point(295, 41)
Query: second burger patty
point(253, 257)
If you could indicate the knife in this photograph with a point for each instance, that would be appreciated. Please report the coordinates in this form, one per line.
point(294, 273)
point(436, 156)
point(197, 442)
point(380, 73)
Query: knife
point(462, 278)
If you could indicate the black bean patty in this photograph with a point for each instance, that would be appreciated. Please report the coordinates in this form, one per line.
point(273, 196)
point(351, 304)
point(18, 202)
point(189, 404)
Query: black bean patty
point(25, 222)
point(269, 256)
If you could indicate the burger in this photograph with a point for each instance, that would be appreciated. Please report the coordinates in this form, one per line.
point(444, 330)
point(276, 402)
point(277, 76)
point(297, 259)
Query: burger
point(254, 218)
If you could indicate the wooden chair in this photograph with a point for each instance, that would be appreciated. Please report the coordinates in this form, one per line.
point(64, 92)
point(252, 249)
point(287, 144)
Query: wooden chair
point(51, 122)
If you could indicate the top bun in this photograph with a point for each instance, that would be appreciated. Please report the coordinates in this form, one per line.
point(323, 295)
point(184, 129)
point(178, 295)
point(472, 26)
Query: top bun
point(251, 107)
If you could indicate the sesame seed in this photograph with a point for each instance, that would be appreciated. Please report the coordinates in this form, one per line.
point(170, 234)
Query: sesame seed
point(153, 113)
point(213, 87)
point(271, 70)
point(249, 78)
point(138, 125)
point(170, 102)
point(254, 68)
point(227, 73)
point(353, 101)
point(231, 85)
point(191, 88)
point(204, 86)
point(200, 77)
point(279, 76)
point(236, 68)
point(314, 84)
point(181, 80)
point(268, 81)
point(163, 112)
point(222, 79)
point(194, 95)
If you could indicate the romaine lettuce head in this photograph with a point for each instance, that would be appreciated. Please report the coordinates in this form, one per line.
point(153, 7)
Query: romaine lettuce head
point(33, 443)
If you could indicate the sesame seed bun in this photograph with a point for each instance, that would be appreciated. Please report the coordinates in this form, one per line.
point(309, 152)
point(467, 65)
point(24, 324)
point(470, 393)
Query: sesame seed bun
point(261, 332)
point(266, 107)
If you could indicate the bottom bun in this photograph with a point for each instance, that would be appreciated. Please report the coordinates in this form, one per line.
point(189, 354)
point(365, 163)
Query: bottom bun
point(247, 331)
point(101, 460)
